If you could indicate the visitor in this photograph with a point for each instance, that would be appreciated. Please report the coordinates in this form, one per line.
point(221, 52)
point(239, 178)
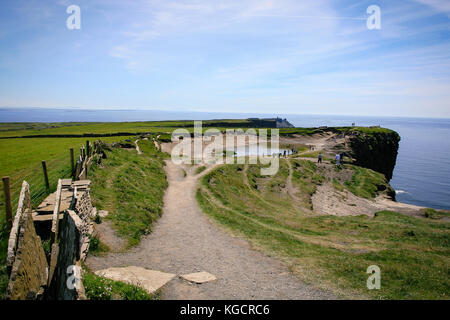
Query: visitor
point(338, 159)
point(319, 158)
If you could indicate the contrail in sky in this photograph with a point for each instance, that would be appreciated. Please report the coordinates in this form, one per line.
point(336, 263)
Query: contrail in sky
point(312, 17)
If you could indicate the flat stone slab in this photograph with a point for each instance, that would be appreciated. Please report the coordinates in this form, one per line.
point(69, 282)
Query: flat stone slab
point(199, 277)
point(66, 182)
point(82, 183)
point(48, 205)
point(149, 280)
point(46, 217)
point(103, 213)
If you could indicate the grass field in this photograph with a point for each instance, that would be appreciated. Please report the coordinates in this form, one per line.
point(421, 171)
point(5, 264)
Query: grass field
point(21, 160)
point(329, 251)
point(129, 186)
point(159, 127)
point(80, 128)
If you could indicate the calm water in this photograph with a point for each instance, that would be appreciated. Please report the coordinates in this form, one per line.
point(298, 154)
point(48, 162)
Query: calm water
point(421, 176)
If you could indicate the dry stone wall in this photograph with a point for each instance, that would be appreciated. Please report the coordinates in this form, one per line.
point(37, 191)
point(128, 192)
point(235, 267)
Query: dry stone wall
point(31, 276)
point(24, 203)
point(67, 284)
point(26, 260)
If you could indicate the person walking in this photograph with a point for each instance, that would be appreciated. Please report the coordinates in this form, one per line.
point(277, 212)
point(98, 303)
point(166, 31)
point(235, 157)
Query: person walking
point(338, 159)
point(319, 158)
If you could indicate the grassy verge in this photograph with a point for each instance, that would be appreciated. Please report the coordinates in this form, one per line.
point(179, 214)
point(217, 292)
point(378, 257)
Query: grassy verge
point(436, 214)
point(200, 169)
point(96, 247)
point(131, 188)
point(99, 288)
point(329, 251)
point(365, 183)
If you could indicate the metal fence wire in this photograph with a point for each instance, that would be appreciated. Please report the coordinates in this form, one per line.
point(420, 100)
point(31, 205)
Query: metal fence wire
point(57, 168)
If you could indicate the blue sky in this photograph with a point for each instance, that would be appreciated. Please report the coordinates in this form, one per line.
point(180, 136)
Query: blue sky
point(255, 56)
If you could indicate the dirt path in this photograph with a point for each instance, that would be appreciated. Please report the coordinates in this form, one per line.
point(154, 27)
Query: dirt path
point(185, 241)
point(137, 147)
point(290, 187)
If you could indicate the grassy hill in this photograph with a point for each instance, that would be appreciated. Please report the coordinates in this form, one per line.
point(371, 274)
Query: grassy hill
point(328, 251)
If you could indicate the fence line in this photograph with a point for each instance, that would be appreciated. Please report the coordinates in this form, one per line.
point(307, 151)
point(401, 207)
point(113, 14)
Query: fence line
point(57, 168)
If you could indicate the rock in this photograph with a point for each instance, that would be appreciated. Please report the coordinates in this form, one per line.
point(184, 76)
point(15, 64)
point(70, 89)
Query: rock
point(199, 277)
point(149, 280)
point(103, 213)
point(29, 273)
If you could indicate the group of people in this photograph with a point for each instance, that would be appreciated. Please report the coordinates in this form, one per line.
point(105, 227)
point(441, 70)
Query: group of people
point(339, 158)
point(284, 154)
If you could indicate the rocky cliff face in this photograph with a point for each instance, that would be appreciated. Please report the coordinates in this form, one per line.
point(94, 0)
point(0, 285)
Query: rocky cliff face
point(375, 148)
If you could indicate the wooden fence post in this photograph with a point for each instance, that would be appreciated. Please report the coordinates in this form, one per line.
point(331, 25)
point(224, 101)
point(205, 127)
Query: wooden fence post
point(44, 168)
point(8, 206)
point(88, 149)
point(72, 164)
point(77, 171)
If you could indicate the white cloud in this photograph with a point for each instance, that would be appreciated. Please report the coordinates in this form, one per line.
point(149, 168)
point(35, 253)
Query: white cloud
point(442, 6)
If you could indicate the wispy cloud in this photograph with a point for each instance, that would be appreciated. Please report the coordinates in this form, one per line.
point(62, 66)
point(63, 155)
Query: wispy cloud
point(442, 6)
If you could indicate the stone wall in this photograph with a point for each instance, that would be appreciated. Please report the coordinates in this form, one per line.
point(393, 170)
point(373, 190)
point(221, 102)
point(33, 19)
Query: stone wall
point(31, 277)
point(75, 234)
point(24, 203)
point(86, 212)
point(67, 282)
point(27, 262)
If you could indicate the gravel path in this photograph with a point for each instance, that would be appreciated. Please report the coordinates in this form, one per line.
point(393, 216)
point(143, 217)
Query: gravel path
point(137, 147)
point(185, 241)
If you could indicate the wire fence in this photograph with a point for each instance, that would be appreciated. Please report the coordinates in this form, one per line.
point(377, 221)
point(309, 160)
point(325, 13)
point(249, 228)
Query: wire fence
point(58, 167)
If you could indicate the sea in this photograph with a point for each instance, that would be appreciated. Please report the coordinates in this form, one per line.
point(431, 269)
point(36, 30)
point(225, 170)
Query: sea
point(421, 175)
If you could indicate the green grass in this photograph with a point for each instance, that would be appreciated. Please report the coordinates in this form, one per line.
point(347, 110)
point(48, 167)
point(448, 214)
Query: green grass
point(436, 214)
point(149, 149)
point(130, 128)
point(160, 127)
point(21, 160)
point(131, 188)
point(200, 169)
point(365, 183)
point(70, 128)
point(329, 251)
point(99, 288)
point(96, 247)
